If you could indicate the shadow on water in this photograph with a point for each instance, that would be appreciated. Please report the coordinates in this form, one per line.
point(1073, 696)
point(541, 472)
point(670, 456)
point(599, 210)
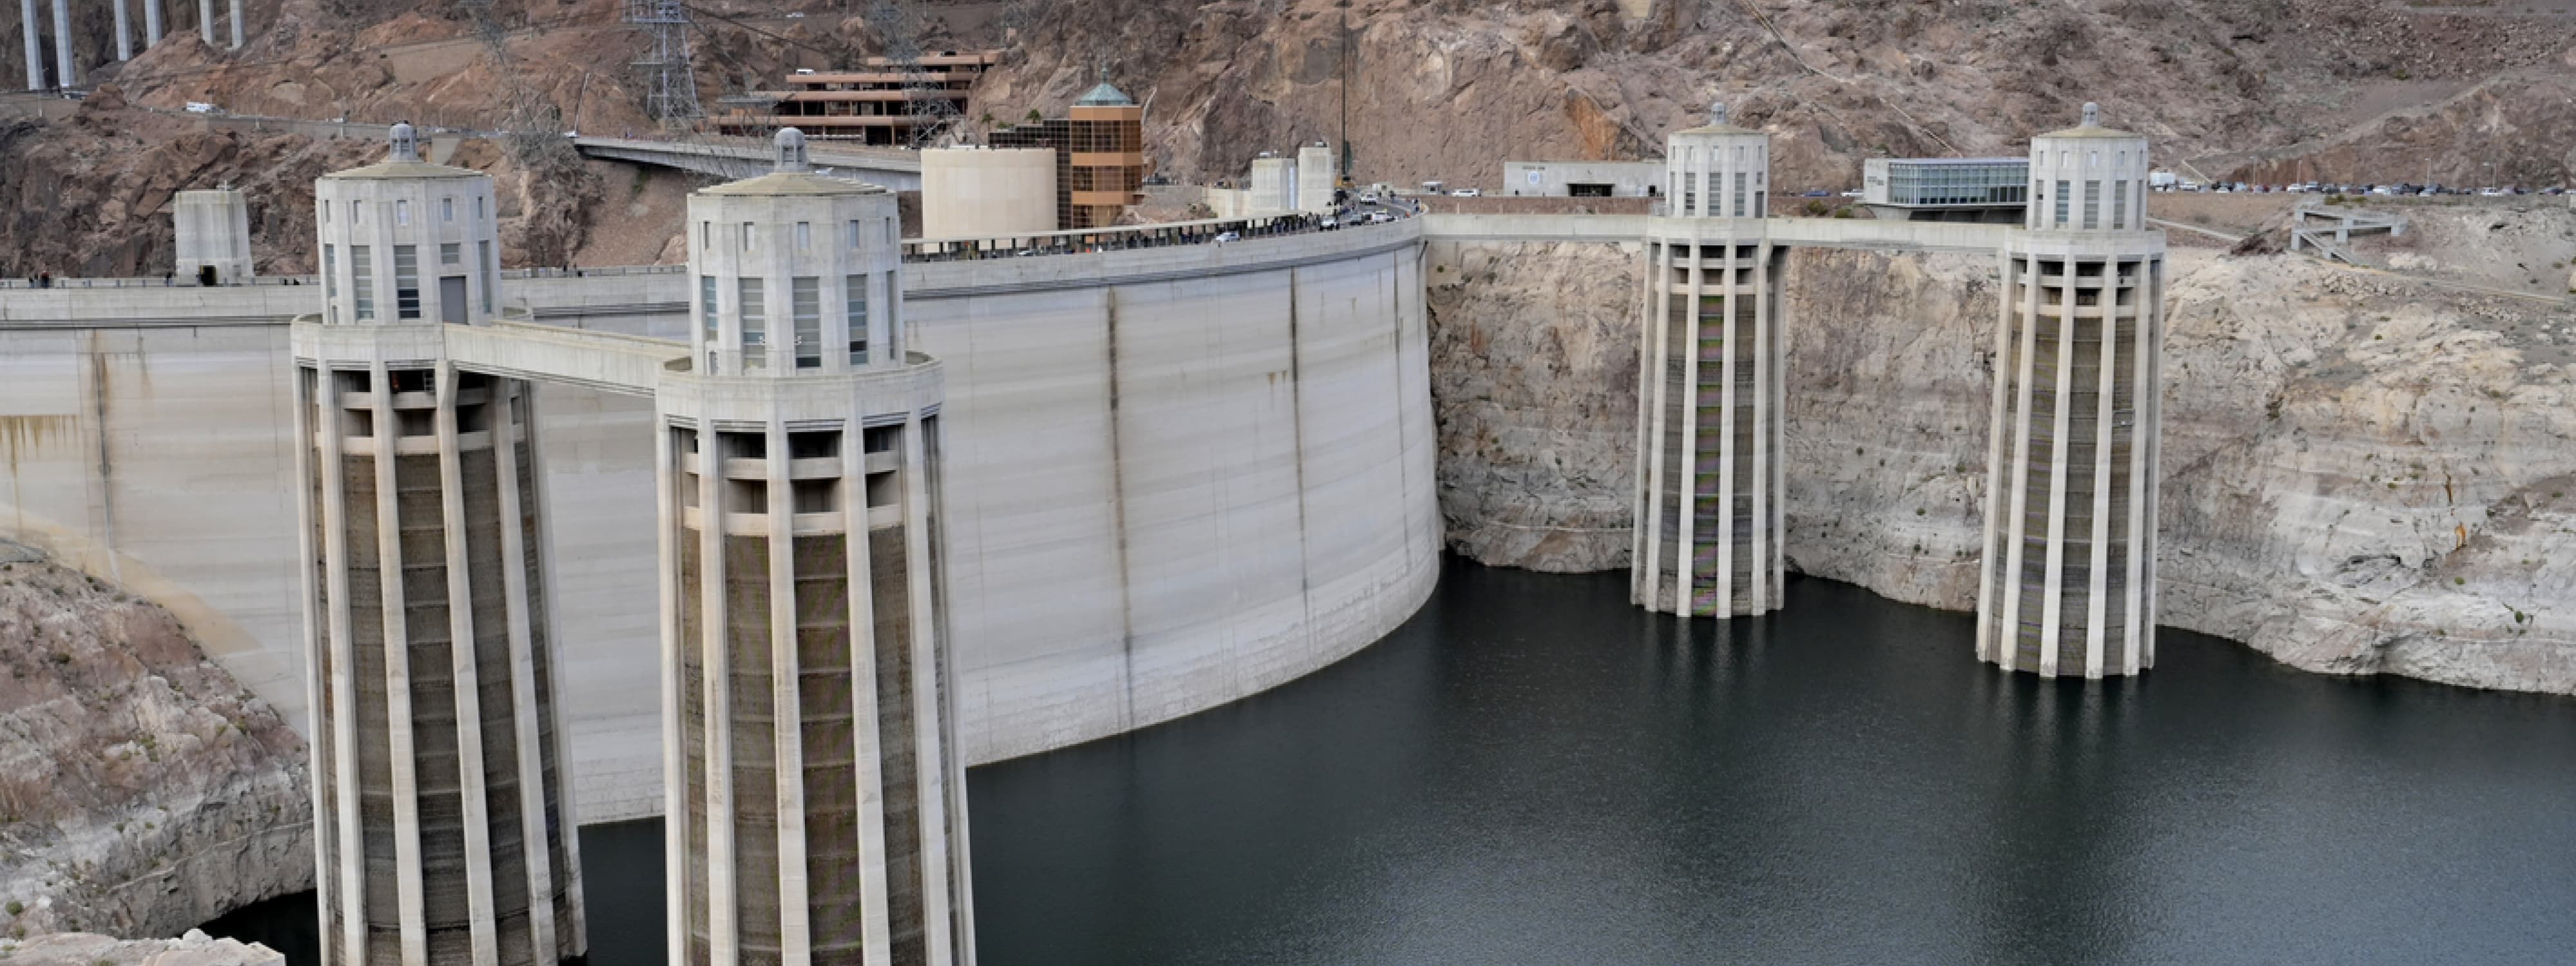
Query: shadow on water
point(1532, 771)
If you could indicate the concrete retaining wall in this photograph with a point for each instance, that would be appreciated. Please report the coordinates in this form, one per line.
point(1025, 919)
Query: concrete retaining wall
point(1175, 477)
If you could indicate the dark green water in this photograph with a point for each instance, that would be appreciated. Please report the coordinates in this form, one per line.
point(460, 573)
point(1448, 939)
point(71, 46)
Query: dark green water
point(1531, 771)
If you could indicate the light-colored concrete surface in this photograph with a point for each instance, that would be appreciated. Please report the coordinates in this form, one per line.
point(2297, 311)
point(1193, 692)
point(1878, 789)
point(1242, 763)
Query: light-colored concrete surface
point(1555, 179)
point(213, 231)
point(1269, 401)
point(1273, 186)
point(1316, 178)
point(985, 192)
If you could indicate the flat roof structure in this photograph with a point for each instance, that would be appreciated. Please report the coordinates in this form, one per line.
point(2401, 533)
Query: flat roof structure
point(881, 101)
point(1946, 189)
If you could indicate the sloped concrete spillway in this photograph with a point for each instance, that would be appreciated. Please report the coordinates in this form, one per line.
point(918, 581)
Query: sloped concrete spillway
point(1177, 476)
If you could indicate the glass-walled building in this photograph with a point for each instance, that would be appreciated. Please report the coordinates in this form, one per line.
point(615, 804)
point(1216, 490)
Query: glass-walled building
point(1992, 190)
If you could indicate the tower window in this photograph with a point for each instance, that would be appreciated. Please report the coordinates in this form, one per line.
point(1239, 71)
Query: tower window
point(755, 336)
point(362, 282)
point(856, 313)
point(805, 302)
point(406, 283)
point(707, 306)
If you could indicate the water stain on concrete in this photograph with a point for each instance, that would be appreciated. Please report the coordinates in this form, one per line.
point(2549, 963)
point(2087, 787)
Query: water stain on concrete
point(30, 434)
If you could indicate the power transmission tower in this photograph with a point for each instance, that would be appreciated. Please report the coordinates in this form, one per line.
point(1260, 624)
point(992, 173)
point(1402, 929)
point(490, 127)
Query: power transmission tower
point(672, 97)
point(533, 121)
point(901, 25)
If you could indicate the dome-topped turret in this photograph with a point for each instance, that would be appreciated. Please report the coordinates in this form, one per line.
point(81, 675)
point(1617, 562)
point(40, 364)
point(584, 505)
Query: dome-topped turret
point(1717, 123)
point(404, 143)
point(790, 148)
point(2091, 126)
point(1104, 95)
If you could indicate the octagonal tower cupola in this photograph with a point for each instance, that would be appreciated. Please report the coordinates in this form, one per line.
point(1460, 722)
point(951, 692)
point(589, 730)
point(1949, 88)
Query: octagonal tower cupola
point(404, 240)
point(794, 273)
point(2088, 178)
point(1717, 170)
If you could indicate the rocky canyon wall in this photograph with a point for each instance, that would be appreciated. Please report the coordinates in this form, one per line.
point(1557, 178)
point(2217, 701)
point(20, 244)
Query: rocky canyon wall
point(1534, 386)
point(2362, 473)
point(142, 789)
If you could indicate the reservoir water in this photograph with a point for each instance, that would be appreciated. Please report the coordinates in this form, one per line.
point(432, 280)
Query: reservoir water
point(1533, 771)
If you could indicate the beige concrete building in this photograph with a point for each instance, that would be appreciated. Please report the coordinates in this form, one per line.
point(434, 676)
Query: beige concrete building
point(816, 799)
point(1316, 178)
point(1584, 179)
point(987, 192)
point(213, 235)
point(1272, 184)
point(1710, 391)
point(443, 817)
point(2068, 582)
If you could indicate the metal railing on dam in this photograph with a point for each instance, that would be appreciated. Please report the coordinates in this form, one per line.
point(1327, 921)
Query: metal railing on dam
point(1213, 231)
point(1175, 476)
point(163, 281)
point(1857, 234)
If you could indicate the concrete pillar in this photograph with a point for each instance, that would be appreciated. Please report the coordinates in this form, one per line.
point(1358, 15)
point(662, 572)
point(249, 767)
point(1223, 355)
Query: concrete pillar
point(151, 23)
point(35, 49)
point(442, 789)
point(2068, 579)
point(816, 801)
point(66, 73)
point(1709, 434)
point(206, 21)
point(237, 24)
point(124, 34)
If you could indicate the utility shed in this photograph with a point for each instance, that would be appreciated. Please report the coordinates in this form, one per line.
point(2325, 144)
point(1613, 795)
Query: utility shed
point(214, 235)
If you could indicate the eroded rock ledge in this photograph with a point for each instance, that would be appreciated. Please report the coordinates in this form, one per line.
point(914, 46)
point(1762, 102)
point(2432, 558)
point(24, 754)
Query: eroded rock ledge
point(142, 790)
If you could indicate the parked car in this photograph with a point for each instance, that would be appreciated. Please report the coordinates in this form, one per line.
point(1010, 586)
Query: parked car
point(1466, 193)
point(1817, 193)
point(200, 107)
point(1229, 236)
point(1851, 194)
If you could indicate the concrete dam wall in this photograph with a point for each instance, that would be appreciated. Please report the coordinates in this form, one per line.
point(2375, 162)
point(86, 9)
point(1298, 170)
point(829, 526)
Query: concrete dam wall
point(1175, 477)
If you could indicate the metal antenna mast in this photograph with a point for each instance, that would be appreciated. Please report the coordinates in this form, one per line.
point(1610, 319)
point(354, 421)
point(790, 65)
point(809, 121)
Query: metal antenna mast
point(673, 97)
